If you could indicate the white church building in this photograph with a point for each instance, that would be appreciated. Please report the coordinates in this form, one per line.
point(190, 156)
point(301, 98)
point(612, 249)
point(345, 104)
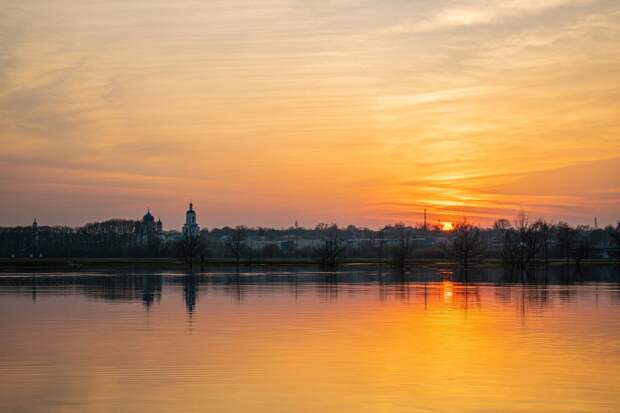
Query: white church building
point(191, 228)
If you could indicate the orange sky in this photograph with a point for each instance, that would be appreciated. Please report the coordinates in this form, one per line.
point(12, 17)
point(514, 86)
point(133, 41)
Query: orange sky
point(273, 111)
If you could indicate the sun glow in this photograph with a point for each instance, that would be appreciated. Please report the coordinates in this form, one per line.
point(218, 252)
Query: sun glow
point(447, 226)
point(448, 291)
point(330, 126)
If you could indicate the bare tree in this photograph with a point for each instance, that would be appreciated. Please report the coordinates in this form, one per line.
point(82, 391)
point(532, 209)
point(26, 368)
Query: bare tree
point(614, 236)
point(521, 221)
point(544, 228)
point(332, 249)
point(529, 237)
point(566, 240)
point(379, 246)
point(404, 249)
point(466, 245)
point(501, 225)
point(189, 247)
point(236, 244)
point(582, 247)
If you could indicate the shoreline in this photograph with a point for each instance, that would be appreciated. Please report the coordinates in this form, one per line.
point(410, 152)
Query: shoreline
point(7, 264)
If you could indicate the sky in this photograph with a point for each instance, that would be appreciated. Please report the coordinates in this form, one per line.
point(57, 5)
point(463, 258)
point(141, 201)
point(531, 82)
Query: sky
point(270, 112)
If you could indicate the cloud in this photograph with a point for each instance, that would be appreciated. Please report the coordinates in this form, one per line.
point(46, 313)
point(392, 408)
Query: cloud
point(296, 103)
point(480, 13)
point(396, 101)
point(577, 192)
point(586, 179)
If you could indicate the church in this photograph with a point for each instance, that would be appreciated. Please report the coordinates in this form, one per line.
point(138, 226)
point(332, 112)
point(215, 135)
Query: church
point(148, 228)
point(191, 228)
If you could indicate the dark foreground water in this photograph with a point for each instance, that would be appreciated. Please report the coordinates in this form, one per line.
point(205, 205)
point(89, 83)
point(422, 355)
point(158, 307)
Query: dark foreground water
point(309, 342)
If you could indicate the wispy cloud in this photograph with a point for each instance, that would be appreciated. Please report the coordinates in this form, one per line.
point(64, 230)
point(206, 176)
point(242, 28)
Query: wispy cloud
point(325, 110)
point(395, 101)
point(480, 13)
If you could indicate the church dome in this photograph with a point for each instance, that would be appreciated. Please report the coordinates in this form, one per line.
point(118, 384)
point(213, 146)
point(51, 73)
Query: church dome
point(148, 217)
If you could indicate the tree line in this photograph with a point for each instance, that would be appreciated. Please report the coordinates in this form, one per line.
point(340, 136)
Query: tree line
point(523, 243)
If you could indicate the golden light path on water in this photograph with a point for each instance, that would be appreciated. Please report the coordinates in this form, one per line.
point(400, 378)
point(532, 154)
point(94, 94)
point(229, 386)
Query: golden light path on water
point(310, 347)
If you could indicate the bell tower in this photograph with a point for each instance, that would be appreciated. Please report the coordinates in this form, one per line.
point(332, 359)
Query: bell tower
point(191, 228)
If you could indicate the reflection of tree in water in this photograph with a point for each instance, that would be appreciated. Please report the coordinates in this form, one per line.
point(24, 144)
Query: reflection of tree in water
point(327, 288)
point(146, 288)
point(34, 289)
point(561, 274)
point(469, 295)
point(615, 294)
point(297, 288)
point(532, 298)
point(503, 294)
point(234, 285)
point(237, 287)
point(401, 289)
point(388, 289)
point(567, 294)
point(424, 285)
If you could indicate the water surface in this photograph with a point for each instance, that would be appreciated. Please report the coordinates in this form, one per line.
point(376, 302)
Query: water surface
point(307, 342)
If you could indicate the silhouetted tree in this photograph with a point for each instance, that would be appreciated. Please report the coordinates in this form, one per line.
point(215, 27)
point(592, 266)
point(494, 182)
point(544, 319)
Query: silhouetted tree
point(527, 241)
point(566, 239)
point(404, 249)
point(614, 237)
point(511, 253)
point(271, 250)
point(332, 248)
point(189, 246)
point(524, 245)
point(582, 246)
point(236, 244)
point(501, 225)
point(466, 245)
point(379, 246)
point(544, 228)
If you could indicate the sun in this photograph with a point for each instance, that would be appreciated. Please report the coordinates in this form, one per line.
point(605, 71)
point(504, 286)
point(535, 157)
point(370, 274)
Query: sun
point(447, 226)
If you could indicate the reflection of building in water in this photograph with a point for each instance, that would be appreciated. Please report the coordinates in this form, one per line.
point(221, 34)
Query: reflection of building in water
point(146, 288)
point(35, 239)
point(191, 228)
point(525, 299)
point(190, 292)
point(151, 289)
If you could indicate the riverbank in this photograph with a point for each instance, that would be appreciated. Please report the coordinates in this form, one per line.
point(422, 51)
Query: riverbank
point(11, 264)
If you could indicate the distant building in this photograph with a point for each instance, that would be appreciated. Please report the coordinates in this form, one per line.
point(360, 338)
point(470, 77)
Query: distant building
point(191, 228)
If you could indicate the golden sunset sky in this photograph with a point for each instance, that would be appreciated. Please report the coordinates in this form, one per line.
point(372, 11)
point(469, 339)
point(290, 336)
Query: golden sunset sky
point(267, 112)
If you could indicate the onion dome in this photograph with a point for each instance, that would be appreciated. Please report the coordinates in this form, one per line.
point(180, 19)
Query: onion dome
point(148, 217)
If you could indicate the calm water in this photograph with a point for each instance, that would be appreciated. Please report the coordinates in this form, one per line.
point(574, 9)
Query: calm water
point(281, 342)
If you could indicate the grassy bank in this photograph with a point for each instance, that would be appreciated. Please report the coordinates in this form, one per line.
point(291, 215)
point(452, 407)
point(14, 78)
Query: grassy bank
point(8, 264)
